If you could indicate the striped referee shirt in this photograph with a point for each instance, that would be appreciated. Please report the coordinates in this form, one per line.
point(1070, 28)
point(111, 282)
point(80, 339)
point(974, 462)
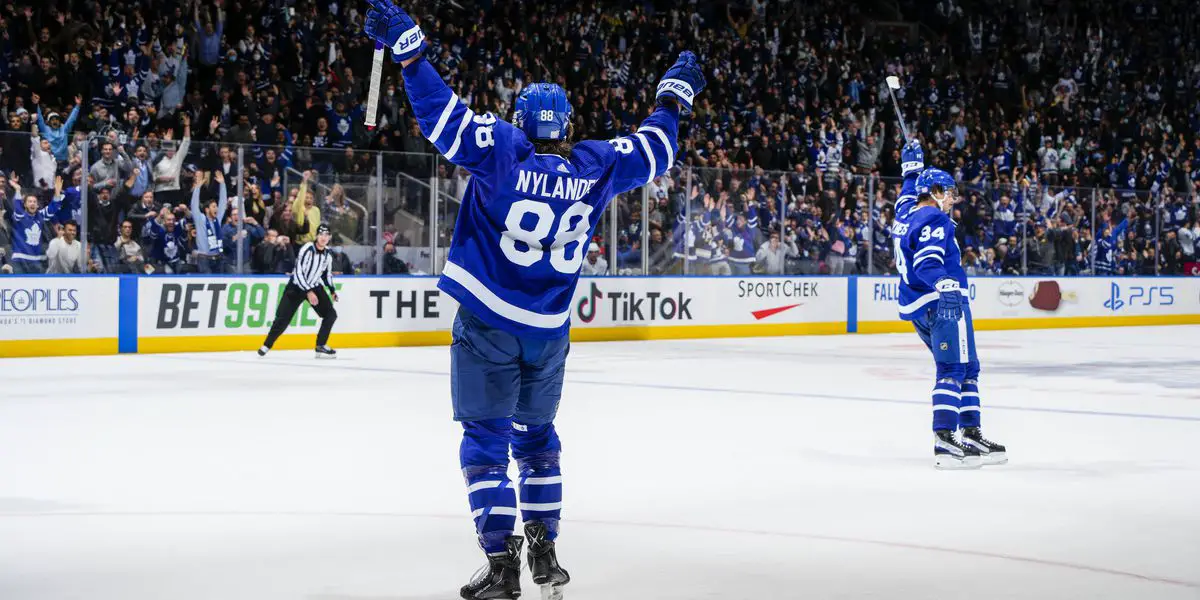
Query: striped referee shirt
point(314, 268)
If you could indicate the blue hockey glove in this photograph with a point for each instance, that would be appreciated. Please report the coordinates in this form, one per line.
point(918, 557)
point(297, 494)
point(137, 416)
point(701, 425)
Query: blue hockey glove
point(683, 81)
point(389, 25)
point(912, 158)
point(949, 306)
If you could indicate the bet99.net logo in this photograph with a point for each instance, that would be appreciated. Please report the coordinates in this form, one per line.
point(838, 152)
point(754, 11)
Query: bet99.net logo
point(1139, 295)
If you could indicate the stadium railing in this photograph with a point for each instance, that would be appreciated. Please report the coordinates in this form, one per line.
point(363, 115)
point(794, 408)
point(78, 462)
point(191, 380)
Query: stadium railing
point(689, 221)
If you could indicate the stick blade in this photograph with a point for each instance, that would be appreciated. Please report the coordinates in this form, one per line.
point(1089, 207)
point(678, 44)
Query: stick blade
point(893, 82)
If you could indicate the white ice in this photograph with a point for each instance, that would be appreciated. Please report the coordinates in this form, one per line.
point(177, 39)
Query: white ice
point(751, 468)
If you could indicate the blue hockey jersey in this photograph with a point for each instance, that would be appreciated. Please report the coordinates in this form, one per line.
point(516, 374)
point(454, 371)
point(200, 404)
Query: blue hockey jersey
point(72, 206)
point(169, 247)
point(28, 229)
point(741, 244)
point(908, 195)
point(527, 218)
point(926, 251)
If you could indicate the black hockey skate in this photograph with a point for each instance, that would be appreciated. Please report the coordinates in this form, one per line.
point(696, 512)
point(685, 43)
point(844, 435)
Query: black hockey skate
point(326, 352)
point(263, 351)
point(949, 454)
point(543, 562)
point(991, 452)
point(500, 579)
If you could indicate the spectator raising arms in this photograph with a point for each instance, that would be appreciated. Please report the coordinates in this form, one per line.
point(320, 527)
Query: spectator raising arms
point(1042, 115)
point(168, 241)
point(53, 129)
point(28, 255)
point(306, 214)
point(42, 161)
point(207, 217)
point(167, 171)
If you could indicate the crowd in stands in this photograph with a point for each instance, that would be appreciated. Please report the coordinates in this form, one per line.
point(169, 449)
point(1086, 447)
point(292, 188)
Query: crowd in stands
point(1072, 127)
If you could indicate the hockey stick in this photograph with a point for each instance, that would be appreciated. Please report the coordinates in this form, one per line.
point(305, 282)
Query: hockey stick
point(893, 84)
point(376, 77)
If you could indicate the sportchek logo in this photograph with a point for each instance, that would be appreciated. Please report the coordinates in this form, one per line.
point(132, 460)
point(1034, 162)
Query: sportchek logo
point(634, 306)
point(791, 289)
point(767, 312)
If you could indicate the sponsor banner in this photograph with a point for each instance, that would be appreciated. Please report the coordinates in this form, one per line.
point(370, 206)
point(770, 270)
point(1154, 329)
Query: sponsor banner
point(667, 301)
point(1001, 298)
point(98, 315)
point(58, 308)
point(201, 306)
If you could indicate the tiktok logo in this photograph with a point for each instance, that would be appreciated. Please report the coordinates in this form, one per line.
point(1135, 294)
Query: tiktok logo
point(1114, 302)
point(587, 306)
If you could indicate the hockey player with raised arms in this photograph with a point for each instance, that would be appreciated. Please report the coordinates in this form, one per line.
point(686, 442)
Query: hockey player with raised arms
point(933, 295)
point(528, 215)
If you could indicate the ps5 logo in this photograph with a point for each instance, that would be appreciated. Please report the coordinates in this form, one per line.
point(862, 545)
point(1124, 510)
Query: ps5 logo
point(1114, 302)
point(1140, 295)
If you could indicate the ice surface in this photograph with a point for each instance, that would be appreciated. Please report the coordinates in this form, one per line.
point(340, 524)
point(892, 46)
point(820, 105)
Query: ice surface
point(751, 468)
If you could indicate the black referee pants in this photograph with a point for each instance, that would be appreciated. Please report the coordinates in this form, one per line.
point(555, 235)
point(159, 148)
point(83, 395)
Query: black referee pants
point(293, 297)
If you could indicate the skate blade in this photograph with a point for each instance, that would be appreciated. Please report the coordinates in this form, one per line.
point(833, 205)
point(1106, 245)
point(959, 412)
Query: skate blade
point(995, 458)
point(552, 591)
point(326, 356)
point(949, 463)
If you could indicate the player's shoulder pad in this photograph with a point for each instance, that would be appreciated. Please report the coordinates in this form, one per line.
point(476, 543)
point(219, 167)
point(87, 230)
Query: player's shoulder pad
point(922, 216)
point(592, 156)
point(522, 147)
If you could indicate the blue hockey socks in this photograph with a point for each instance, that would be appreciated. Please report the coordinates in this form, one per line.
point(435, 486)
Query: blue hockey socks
point(968, 413)
point(537, 448)
point(969, 410)
point(484, 459)
point(947, 396)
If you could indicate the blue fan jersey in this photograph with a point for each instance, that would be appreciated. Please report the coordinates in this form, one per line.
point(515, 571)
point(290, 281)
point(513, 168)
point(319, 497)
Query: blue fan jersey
point(926, 251)
point(527, 218)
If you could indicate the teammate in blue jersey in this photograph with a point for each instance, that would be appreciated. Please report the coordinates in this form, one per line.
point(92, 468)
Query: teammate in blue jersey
point(528, 215)
point(933, 295)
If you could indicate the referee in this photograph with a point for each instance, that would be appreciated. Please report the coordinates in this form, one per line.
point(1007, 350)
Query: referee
point(313, 275)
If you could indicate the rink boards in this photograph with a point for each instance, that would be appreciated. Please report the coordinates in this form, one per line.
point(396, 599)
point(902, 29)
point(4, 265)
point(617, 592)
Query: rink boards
point(1047, 302)
point(64, 315)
